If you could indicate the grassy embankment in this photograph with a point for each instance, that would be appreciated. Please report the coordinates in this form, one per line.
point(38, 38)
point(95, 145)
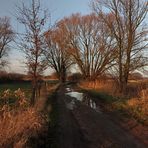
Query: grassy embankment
point(132, 105)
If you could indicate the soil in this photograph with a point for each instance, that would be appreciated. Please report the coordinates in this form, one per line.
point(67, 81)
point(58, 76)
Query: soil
point(82, 126)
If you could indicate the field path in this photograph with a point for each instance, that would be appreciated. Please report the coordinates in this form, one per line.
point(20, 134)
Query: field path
point(82, 125)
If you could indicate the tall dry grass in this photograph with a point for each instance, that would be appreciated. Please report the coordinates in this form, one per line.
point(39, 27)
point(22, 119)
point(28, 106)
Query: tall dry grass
point(20, 122)
point(108, 86)
point(16, 128)
point(138, 106)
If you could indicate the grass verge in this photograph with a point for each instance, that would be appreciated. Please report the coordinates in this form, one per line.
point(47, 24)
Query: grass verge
point(136, 108)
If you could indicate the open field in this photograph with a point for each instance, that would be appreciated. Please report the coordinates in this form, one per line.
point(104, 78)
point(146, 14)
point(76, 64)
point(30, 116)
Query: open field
point(25, 86)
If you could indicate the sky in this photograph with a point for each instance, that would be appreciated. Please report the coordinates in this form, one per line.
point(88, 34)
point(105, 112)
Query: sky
point(57, 10)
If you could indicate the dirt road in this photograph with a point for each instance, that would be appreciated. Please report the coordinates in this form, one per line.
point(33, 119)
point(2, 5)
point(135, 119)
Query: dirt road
point(82, 124)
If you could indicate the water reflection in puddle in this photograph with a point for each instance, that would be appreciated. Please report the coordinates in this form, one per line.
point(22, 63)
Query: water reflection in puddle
point(89, 102)
point(82, 97)
point(68, 89)
point(77, 95)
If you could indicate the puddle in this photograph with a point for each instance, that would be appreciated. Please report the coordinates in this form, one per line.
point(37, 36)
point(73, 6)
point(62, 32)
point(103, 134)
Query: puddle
point(83, 98)
point(76, 95)
point(89, 102)
point(68, 89)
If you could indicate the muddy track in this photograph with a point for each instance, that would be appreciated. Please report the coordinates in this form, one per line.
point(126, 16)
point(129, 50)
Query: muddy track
point(80, 126)
point(68, 133)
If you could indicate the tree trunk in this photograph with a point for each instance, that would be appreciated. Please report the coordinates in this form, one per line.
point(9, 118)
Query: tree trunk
point(120, 73)
point(34, 93)
point(63, 74)
point(32, 101)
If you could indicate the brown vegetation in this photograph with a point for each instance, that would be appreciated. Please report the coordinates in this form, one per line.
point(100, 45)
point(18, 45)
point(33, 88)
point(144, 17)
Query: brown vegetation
point(16, 128)
point(108, 86)
point(19, 122)
point(135, 102)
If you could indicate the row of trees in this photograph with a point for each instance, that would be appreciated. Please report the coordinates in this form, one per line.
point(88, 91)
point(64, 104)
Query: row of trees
point(111, 39)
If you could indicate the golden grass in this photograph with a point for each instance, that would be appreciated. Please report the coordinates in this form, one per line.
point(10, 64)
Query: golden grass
point(108, 86)
point(17, 127)
point(19, 122)
point(135, 102)
point(138, 106)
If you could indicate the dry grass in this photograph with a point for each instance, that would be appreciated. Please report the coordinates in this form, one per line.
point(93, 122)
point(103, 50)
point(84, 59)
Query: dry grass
point(20, 122)
point(100, 85)
point(138, 106)
point(17, 128)
point(135, 102)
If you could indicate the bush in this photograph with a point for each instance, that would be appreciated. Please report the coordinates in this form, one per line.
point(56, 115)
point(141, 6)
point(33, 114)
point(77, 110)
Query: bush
point(13, 98)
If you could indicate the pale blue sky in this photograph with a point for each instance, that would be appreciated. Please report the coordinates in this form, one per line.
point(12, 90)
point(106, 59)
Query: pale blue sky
point(57, 8)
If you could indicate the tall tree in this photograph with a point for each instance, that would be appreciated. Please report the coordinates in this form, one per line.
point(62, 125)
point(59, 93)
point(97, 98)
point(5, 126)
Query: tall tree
point(124, 19)
point(33, 18)
point(89, 43)
point(6, 36)
point(56, 52)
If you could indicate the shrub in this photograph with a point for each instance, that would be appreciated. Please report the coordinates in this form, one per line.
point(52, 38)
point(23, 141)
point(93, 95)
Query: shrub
point(14, 98)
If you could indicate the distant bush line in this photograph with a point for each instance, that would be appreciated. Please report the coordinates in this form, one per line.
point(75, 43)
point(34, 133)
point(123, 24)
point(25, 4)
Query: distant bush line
point(13, 78)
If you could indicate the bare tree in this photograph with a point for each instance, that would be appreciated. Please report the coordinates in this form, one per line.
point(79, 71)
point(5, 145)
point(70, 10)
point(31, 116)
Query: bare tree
point(89, 43)
point(6, 36)
point(124, 19)
point(56, 52)
point(33, 18)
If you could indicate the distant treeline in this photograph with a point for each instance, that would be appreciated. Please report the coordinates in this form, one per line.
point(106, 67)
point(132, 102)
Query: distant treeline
point(12, 77)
